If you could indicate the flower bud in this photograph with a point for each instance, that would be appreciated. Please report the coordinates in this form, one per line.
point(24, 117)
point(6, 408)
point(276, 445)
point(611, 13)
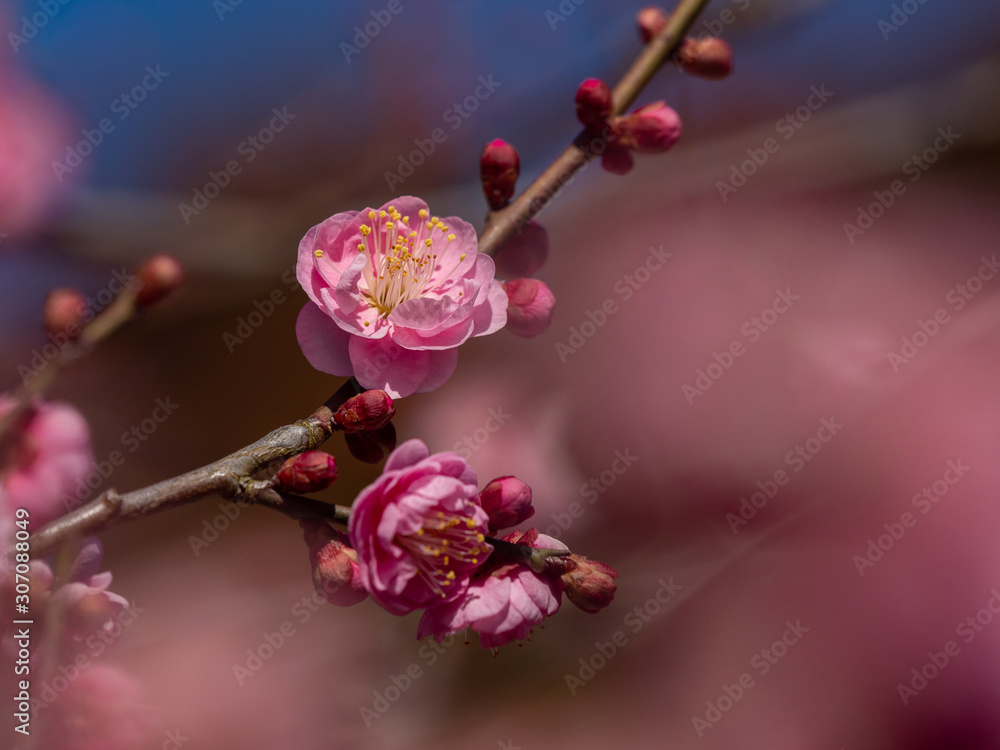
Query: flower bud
point(530, 306)
point(372, 446)
point(311, 471)
point(366, 411)
point(158, 277)
point(63, 312)
point(617, 159)
point(525, 252)
point(651, 20)
point(593, 104)
point(334, 564)
point(507, 501)
point(499, 167)
point(708, 57)
point(653, 129)
point(590, 585)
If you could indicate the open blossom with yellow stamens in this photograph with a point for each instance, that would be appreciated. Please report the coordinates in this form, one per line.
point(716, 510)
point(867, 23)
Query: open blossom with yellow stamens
point(393, 291)
point(419, 529)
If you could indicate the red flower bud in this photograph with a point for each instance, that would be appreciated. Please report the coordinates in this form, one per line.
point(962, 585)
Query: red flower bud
point(707, 57)
point(590, 585)
point(499, 167)
point(366, 411)
point(507, 501)
point(530, 306)
point(652, 129)
point(311, 471)
point(651, 20)
point(158, 277)
point(525, 252)
point(63, 312)
point(617, 159)
point(593, 104)
point(334, 564)
point(372, 446)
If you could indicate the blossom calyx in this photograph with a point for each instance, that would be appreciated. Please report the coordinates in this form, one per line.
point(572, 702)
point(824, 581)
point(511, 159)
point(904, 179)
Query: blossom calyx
point(158, 277)
point(594, 104)
point(589, 584)
point(531, 305)
point(499, 167)
point(707, 57)
point(334, 564)
point(311, 471)
point(507, 501)
point(370, 410)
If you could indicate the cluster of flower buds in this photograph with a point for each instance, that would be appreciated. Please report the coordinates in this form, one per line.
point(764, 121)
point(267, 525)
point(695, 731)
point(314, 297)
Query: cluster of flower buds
point(421, 537)
point(530, 303)
point(651, 129)
point(705, 57)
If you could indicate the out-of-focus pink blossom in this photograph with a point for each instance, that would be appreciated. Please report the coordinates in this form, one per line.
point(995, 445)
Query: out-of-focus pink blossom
point(334, 564)
point(707, 57)
point(31, 135)
point(651, 20)
point(102, 709)
point(531, 307)
point(85, 604)
point(46, 455)
point(419, 529)
point(501, 606)
point(394, 291)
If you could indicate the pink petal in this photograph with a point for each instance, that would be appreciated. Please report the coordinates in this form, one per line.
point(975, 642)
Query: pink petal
point(406, 454)
point(323, 342)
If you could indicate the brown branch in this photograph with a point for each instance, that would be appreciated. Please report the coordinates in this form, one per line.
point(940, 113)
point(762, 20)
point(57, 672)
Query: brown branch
point(502, 224)
point(230, 477)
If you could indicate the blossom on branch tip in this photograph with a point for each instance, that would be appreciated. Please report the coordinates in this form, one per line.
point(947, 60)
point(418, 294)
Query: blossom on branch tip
point(311, 471)
point(502, 603)
point(530, 307)
point(419, 529)
point(393, 292)
point(499, 166)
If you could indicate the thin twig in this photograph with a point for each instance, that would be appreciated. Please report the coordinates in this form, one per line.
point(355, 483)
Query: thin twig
point(502, 224)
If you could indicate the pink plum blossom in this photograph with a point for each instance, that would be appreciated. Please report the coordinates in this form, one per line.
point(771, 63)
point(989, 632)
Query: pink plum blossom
point(393, 292)
point(503, 605)
point(47, 456)
point(419, 529)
